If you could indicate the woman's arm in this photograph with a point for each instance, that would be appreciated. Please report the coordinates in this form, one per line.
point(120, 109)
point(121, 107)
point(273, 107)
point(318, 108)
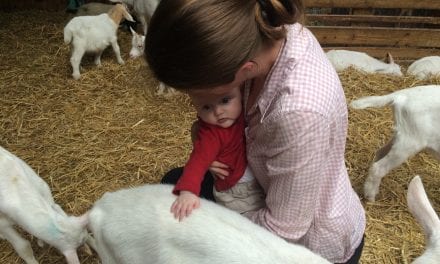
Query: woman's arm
point(296, 167)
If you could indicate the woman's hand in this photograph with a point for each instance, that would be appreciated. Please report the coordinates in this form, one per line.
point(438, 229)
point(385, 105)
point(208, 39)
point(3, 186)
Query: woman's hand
point(184, 204)
point(219, 170)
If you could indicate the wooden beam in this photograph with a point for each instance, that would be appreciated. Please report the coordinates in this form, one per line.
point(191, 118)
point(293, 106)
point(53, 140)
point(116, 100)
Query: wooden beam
point(334, 19)
point(376, 36)
point(412, 4)
point(397, 53)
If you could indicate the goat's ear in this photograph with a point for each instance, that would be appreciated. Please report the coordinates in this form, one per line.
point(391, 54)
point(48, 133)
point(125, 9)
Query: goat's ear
point(420, 206)
point(389, 58)
point(126, 14)
point(132, 31)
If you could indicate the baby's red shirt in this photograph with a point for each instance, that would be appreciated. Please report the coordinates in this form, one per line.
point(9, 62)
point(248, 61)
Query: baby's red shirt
point(214, 143)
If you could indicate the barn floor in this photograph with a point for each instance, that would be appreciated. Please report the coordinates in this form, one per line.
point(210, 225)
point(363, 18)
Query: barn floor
point(110, 130)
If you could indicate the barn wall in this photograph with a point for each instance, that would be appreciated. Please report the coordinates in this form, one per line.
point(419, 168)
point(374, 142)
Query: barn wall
point(407, 29)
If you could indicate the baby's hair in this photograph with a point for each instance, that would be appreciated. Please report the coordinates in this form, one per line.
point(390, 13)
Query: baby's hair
point(194, 44)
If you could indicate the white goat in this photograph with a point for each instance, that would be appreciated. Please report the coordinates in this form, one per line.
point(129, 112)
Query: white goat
point(425, 68)
point(26, 200)
point(94, 34)
point(416, 127)
point(421, 208)
point(143, 10)
point(137, 44)
point(135, 226)
point(137, 50)
point(343, 59)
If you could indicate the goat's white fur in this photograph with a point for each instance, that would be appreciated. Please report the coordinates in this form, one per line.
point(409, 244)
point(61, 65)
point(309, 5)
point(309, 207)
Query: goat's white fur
point(416, 127)
point(137, 44)
point(421, 208)
point(143, 10)
point(135, 226)
point(425, 68)
point(343, 59)
point(26, 201)
point(94, 34)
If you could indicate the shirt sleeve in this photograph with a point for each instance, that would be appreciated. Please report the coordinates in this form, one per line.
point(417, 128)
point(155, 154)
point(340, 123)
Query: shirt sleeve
point(205, 150)
point(295, 163)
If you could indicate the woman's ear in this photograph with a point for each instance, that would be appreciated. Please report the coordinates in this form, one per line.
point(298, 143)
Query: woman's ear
point(248, 70)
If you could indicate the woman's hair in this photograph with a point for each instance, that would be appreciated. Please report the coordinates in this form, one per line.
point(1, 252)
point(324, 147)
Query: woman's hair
point(202, 43)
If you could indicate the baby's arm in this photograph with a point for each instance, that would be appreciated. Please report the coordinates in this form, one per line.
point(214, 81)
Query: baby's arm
point(184, 204)
point(205, 150)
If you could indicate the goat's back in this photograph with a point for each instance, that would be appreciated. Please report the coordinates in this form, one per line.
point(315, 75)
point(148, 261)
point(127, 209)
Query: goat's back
point(343, 59)
point(425, 67)
point(93, 32)
point(135, 226)
point(17, 178)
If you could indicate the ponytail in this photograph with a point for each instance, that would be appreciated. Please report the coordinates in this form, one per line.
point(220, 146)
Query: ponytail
point(272, 15)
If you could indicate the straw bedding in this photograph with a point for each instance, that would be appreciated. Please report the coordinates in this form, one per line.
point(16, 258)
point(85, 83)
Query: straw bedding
point(110, 130)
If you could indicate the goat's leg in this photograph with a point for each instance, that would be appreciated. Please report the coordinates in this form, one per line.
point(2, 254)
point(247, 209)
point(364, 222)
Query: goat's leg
point(117, 51)
point(75, 60)
point(144, 24)
point(21, 245)
point(98, 58)
point(390, 156)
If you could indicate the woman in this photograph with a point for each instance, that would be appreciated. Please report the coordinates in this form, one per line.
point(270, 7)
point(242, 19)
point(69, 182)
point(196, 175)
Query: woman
point(295, 111)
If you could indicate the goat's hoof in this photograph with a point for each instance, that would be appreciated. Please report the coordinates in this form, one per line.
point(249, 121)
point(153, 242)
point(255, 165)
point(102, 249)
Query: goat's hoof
point(76, 76)
point(40, 243)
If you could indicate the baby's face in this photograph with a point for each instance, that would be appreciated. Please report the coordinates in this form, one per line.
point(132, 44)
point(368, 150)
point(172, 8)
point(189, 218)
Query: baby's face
point(217, 106)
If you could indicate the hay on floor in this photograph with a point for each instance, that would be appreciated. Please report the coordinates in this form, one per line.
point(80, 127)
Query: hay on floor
point(109, 130)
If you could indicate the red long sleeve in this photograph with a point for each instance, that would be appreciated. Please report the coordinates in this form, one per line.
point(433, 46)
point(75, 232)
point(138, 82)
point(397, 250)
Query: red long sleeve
point(214, 143)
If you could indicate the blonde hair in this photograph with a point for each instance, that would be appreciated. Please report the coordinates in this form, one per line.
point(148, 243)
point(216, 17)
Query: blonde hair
point(194, 44)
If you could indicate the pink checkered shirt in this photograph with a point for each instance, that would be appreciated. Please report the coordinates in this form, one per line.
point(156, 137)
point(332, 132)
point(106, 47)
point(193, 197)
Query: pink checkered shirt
point(295, 147)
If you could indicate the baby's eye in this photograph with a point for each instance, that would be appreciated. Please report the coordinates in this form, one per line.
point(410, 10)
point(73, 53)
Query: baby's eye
point(205, 107)
point(225, 100)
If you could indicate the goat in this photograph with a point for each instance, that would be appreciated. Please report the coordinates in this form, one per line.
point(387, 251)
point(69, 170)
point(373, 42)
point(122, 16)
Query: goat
point(135, 226)
point(137, 50)
point(137, 44)
point(416, 127)
point(26, 200)
point(425, 68)
point(421, 209)
point(343, 59)
point(143, 10)
point(94, 34)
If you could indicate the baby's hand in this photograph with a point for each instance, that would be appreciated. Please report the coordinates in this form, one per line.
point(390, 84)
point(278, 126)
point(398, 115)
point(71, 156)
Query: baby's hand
point(184, 204)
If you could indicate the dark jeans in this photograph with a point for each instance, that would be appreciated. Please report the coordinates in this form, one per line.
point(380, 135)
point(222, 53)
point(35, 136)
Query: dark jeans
point(357, 254)
point(173, 176)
